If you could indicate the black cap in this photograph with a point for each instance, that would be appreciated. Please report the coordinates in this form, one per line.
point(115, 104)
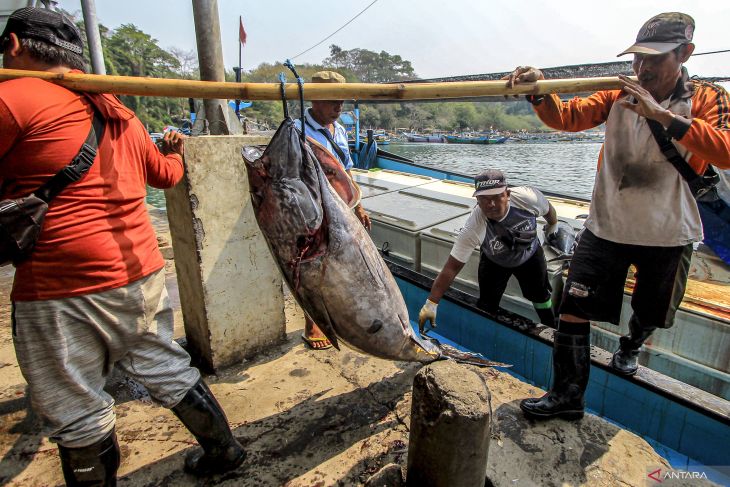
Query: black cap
point(45, 25)
point(662, 33)
point(489, 182)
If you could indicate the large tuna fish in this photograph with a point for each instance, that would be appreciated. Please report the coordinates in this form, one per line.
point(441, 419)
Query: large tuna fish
point(562, 241)
point(326, 256)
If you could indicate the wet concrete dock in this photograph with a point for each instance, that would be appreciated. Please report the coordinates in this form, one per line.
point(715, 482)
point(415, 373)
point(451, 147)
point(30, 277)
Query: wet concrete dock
point(314, 418)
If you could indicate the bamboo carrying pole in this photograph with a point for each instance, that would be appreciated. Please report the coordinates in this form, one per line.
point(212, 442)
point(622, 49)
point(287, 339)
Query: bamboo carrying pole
point(178, 88)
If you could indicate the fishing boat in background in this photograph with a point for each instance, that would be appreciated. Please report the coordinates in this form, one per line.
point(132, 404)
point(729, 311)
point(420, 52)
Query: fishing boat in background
point(484, 139)
point(424, 138)
point(384, 140)
point(381, 137)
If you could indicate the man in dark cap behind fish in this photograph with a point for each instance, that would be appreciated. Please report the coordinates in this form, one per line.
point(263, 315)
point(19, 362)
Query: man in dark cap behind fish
point(92, 294)
point(643, 212)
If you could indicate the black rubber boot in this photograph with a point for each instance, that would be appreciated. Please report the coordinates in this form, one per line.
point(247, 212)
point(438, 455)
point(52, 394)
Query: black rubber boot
point(93, 465)
point(204, 418)
point(626, 359)
point(571, 367)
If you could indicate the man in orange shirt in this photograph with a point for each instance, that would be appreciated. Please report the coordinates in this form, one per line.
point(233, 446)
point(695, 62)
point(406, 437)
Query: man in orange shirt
point(92, 294)
point(643, 212)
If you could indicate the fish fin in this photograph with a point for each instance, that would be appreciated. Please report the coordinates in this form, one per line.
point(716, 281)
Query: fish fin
point(469, 358)
point(375, 268)
point(252, 153)
point(560, 258)
point(335, 173)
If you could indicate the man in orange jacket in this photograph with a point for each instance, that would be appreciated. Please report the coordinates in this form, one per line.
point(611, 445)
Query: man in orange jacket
point(92, 294)
point(642, 212)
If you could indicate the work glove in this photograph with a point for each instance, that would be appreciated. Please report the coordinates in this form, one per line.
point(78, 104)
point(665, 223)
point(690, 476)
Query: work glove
point(427, 313)
point(550, 229)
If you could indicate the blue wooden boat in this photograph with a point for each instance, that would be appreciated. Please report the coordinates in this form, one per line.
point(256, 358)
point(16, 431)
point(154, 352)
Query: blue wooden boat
point(459, 139)
point(689, 426)
point(690, 429)
point(424, 138)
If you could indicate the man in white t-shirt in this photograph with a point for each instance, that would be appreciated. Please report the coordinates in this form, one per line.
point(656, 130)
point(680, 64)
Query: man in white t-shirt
point(504, 225)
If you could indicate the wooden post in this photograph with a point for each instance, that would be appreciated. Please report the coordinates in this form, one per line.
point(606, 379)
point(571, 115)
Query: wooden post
point(93, 38)
point(450, 418)
point(210, 60)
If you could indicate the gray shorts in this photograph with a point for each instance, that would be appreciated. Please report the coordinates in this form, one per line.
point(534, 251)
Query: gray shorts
point(67, 347)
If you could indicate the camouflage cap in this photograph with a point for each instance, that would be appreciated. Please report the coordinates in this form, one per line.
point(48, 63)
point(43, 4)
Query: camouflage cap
point(328, 77)
point(662, 33)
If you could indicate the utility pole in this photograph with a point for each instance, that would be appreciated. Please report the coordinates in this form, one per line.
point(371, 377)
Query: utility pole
point(88, 8)
point(210, 59)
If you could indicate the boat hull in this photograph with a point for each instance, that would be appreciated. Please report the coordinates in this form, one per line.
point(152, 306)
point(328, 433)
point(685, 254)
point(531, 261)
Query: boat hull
point(424, 138)
point(693, 351)
point(451, 139)
point(674, 417)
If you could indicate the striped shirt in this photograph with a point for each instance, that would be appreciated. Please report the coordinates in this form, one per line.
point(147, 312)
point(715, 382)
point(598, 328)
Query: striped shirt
point(314, 130)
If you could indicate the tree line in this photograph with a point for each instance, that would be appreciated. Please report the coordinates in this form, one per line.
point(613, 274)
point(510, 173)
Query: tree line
point(128, 51)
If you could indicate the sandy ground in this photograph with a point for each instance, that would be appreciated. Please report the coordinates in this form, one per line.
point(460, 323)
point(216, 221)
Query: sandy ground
point(311, 418)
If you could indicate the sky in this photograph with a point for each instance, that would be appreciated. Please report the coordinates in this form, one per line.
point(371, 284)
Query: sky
point(440, 38)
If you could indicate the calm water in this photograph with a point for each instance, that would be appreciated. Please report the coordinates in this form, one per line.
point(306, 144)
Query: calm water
point(156, 197)
point(561, 167)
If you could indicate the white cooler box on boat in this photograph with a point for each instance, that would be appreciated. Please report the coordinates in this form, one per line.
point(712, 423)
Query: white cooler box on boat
point(436, 244)
point(570, 210)
point(398, 218)
point(373, 183)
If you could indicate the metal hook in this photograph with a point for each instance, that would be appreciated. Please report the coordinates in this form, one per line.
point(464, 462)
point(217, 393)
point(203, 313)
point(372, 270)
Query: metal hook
point(385, 248)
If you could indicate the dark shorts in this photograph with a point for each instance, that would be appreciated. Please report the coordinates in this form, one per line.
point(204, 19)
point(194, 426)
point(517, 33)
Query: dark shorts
point(595, 286)
point(532, 276)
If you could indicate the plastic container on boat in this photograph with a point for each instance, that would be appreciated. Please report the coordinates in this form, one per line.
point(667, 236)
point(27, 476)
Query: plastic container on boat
point(399, 216)
point(373, 183)
point(436, 244)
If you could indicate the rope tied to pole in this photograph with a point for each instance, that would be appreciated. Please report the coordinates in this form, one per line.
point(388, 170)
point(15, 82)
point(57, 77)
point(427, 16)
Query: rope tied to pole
point(282, 88)
point(300, 82)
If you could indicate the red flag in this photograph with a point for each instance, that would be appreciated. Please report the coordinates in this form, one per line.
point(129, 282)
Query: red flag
point(241, 32)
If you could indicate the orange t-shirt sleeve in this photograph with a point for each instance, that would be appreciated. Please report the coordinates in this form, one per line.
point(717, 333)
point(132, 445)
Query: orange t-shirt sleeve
point(708, 137)
point(9, 129)
point(576, 114)
point(162, 171)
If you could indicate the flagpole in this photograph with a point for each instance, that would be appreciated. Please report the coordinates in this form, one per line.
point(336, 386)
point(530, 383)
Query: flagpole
point(238, 73)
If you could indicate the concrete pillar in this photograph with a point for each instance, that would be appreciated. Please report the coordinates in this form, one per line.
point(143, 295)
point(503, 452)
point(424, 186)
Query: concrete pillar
point(450, 417)
point(210, 60)
point(230, 287)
